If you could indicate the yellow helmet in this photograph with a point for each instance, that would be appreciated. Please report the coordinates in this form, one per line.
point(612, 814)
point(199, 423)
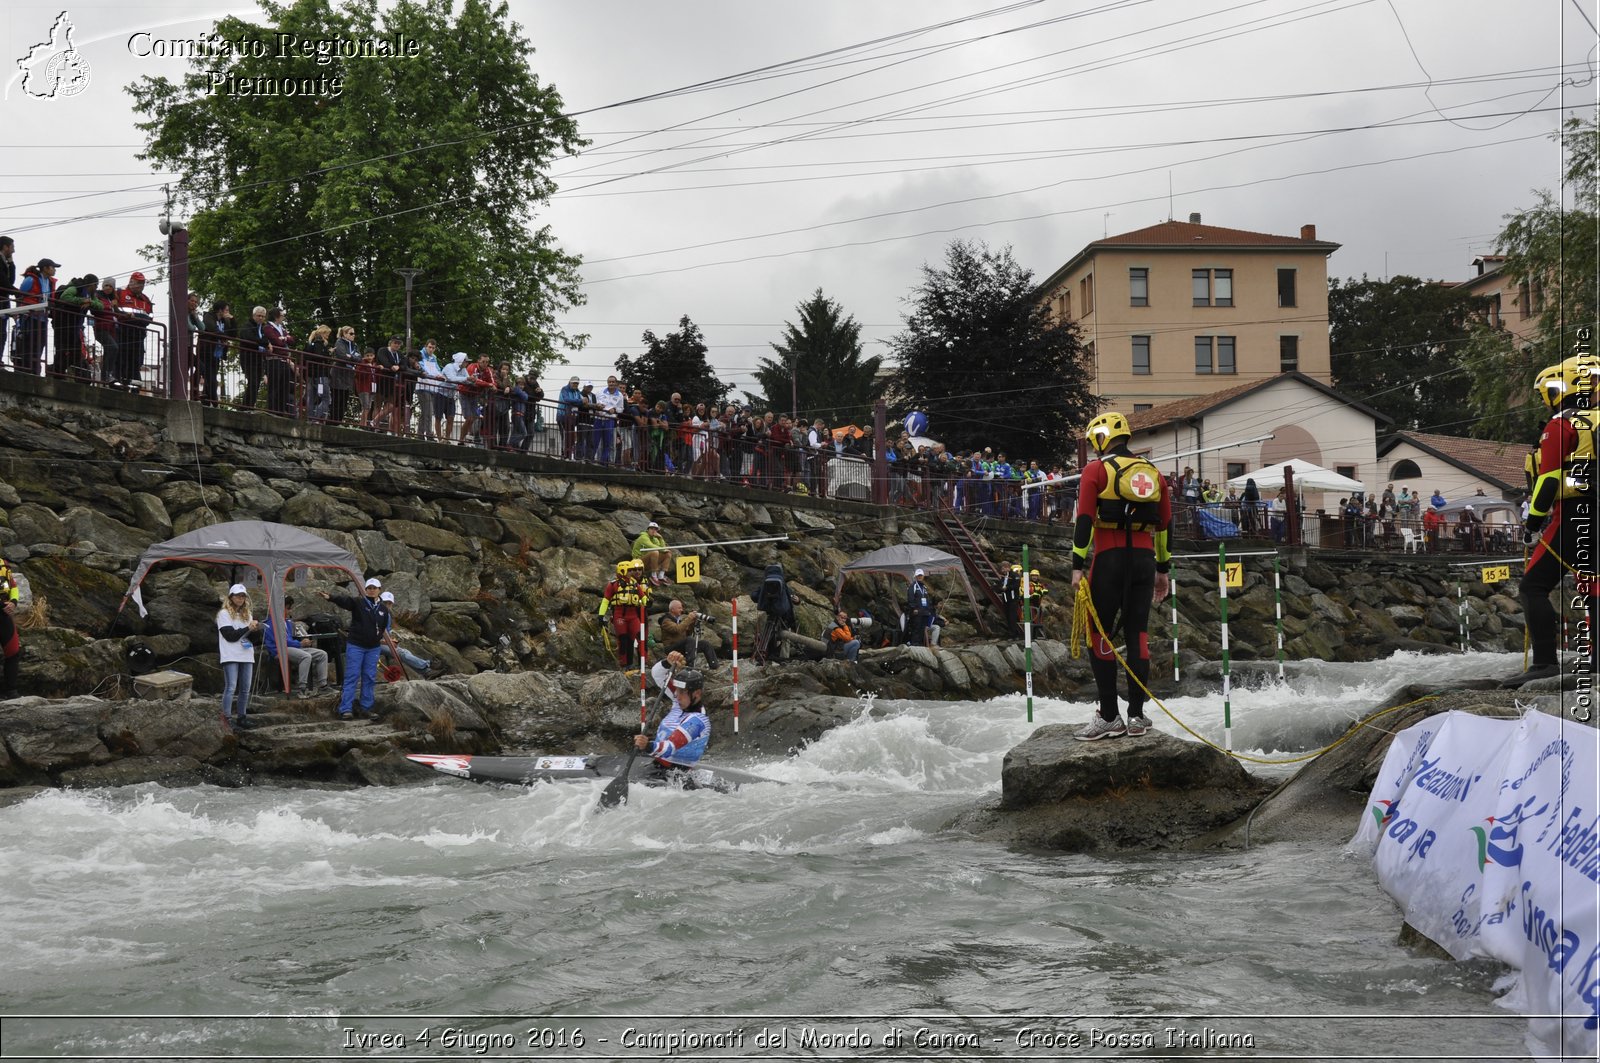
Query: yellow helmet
point(1556, 383)
point(623, 566)
point(1106, 428)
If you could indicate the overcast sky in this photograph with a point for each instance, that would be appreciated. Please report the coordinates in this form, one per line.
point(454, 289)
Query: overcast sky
point(878, 131)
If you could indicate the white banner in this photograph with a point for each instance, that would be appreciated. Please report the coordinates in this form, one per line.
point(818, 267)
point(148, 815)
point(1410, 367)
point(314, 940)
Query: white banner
point(1485, 832)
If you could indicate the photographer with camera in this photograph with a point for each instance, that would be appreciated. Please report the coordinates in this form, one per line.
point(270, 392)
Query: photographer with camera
point(681, 632)
point(842, 638)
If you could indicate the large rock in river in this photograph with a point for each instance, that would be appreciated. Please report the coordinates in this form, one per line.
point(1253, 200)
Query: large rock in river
point(1150, 792)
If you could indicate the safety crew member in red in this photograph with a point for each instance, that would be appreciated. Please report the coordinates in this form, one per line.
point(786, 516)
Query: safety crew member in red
point(623, 603)
point(1125, 511)
point(1562, 509)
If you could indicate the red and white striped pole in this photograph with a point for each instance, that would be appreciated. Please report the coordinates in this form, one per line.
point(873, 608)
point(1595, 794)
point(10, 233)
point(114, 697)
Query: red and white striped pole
point(736, 666)
point(644, 670)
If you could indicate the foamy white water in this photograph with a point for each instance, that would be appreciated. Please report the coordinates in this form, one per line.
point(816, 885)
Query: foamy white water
point(487, 910)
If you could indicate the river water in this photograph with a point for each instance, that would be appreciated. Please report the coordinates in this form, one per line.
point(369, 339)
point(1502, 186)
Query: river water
point(454, 920)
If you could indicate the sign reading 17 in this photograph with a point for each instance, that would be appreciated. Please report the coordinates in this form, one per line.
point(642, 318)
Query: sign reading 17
point(688, 569)
point(1234, 571)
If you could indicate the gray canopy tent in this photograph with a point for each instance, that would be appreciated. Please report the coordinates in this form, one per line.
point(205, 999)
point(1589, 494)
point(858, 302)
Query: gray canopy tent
point(273, 550)
point(904, 560)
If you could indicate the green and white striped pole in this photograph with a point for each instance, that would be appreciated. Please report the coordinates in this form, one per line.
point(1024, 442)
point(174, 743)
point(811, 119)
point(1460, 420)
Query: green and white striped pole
point(1277, 594)
point(1172, 584)
point(1227, 688)
point(1027, 630)
point(1461, 616)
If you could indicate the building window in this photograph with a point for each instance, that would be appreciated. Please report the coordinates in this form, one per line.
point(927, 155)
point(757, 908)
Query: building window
point(1225, 355)
point(1346, 470)
point(1138, 287)
point(1202, 354)
point(1212, 287)
point(1235, 468)
point(1288, 354)
point(1141, 356)
point(1405, 469)
point(1086, 294)
point(1065, 300)
point(1286, 287)
point(1140, 407)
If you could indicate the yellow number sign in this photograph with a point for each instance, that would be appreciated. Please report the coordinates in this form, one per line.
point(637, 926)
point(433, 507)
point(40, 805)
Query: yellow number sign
point(1235, 573)
point(1496, 573)
point(688, 570)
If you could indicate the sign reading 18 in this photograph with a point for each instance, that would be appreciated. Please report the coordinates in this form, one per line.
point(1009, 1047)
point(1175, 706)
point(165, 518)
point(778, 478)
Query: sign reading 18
point(688, 570)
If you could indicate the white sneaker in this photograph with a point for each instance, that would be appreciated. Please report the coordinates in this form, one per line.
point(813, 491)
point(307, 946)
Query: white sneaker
point(1137, 725)
point(1100, 727)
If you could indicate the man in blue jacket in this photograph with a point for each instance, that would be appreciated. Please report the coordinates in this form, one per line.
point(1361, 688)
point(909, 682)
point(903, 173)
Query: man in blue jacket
point(369, 622)
point(919, 610)
point(306, 663)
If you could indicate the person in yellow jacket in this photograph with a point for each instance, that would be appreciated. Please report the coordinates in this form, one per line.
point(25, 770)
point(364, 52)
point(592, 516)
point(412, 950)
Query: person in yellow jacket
point(10, 642)
point(622, 605)
point(651, 551)
point(1561, 510)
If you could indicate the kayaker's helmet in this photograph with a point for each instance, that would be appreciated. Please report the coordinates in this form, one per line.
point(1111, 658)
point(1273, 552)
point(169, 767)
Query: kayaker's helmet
point(1107, 429)
point(692, 680)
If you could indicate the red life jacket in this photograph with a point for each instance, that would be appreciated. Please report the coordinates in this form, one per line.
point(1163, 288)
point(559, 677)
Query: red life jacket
point(43, 287)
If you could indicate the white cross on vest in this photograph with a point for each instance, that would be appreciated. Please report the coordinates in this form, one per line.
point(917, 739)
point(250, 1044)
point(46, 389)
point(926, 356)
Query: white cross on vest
point(1142, 485)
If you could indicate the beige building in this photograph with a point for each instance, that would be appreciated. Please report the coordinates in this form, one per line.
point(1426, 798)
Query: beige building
point(1182, 309)
point(1512, 307)
point(1306, 419)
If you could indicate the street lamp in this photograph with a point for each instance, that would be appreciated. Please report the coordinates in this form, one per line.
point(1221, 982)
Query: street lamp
point(410, 274)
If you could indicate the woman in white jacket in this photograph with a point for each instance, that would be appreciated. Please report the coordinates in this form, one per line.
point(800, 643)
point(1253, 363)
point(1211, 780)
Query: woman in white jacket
point(234, 626)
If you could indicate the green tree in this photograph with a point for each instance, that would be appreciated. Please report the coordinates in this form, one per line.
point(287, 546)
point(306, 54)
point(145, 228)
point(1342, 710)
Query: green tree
point(1551, 253)
point(981, 356)
point(435, 162)
point(819, 364)
point(1397, 347)
point(674, 362)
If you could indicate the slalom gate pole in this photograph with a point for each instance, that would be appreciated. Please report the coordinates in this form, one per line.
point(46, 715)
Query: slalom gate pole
point(1277, 594)
point(644, 670)
point(1027, 630)
point(1461, 616)
point(1227, 679)
point(1172, 588)
point(735, 666)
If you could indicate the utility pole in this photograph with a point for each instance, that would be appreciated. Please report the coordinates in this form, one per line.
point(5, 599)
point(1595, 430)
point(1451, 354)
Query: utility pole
point(410, 274)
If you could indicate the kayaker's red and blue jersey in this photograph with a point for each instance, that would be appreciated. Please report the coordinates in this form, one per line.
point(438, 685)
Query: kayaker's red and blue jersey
point(682, 736)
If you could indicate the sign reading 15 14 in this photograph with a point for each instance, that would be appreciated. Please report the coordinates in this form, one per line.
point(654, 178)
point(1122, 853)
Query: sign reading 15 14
point(1496, 573)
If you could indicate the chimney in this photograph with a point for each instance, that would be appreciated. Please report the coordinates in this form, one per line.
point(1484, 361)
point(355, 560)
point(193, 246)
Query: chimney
point(1194, 219)
point(1308, 232)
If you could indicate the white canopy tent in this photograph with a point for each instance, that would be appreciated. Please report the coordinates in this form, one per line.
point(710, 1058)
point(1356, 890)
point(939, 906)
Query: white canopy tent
point(1307, 477)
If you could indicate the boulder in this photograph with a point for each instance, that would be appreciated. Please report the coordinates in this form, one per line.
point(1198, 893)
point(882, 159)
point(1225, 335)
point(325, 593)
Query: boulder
point(150, 513)
point(173, 729)
point(381, 554)
point(314, 508)
point(450, 579)
point(46, 737)
point(35, 524)
point(1051, 765)
point(107, 534)
point(428, 539)
point(182, 496)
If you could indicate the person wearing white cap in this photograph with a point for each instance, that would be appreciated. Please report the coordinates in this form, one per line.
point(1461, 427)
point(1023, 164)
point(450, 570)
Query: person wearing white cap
point(238, 655)
point(369, 622)
point(417, 664)
point(919, 610)
point(650, 547)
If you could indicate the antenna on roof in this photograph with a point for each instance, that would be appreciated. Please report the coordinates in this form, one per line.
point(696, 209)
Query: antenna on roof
point(1169, 195)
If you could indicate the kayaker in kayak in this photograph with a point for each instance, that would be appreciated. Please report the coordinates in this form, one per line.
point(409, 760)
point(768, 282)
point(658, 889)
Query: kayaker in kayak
point(684, 732)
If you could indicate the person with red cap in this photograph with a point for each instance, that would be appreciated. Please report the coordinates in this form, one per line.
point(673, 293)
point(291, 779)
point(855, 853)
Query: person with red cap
point(133, 311)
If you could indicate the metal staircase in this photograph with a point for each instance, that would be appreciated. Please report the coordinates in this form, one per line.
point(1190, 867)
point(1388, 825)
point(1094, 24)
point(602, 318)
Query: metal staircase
point(979, 568)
